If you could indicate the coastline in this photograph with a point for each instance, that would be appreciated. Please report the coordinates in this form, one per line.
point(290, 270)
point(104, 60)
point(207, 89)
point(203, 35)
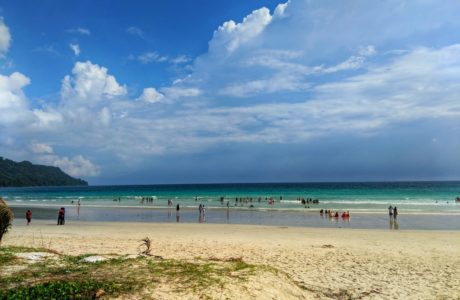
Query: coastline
point(411, 264)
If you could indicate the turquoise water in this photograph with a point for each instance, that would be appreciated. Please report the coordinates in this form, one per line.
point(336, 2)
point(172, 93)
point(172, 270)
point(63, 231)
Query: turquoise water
point(375, 197)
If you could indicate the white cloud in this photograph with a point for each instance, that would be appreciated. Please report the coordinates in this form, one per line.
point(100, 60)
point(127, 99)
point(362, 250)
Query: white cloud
point(151, 95)
point(5, 38)
point(180, 59)
point(278, 83)
point(280, 10)
point(175, 92)
point(41, 148)
point(90, 82)
point(75, 48)
point(80, 30)
point(150, 57)
point(354, 62)
point(105, 116)
point(47, 117)
point(13, 103)
point(231, 35)
point(77, 166)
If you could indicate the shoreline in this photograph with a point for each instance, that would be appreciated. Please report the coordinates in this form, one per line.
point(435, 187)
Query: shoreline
point(245, 216)
point(411, 264)
point(314, 210)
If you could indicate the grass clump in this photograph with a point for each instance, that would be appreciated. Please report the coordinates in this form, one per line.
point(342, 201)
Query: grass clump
point(67, 277)
point(61, 290)
point(187, 274)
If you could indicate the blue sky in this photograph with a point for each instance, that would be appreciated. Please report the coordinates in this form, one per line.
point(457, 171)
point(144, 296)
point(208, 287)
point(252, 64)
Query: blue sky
point(232, 91)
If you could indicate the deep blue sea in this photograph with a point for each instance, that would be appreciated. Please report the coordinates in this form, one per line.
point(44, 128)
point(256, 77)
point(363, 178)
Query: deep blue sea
point(255, 203)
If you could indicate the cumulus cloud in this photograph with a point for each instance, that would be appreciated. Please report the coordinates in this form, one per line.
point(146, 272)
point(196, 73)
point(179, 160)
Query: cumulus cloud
point(90, 82)
point(151, 95)
point(5, 38)
point(13, 102)
point(75, 48)
point(230, 35)
point(76, 166)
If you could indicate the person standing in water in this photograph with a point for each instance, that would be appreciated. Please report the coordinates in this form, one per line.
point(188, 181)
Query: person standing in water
point(390, 211)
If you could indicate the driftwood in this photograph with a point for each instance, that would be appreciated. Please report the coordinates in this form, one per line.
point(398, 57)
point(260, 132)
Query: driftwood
point(145, 247)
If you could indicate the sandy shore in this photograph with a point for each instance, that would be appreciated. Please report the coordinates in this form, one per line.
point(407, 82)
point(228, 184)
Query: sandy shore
point(319, 263)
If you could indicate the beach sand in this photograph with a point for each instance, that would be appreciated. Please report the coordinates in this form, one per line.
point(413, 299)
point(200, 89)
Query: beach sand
point(315, 263)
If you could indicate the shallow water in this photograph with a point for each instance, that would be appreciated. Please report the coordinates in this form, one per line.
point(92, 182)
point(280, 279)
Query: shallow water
point(422, 205)
point(248, 216)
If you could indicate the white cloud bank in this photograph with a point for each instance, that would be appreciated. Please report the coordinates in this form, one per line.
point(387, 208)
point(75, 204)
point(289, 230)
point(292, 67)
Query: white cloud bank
point(284, 77)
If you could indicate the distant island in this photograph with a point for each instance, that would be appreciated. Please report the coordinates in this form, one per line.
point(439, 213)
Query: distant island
point(20, 174)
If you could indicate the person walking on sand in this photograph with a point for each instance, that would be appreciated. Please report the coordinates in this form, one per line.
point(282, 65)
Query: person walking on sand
point(390, 211)
point(395, 212)
point(28, 216)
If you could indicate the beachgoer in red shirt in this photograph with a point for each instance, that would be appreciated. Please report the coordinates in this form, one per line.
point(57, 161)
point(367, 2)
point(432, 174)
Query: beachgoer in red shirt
point(28, 216)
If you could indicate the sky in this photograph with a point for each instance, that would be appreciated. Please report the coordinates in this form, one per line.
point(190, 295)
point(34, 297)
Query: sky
point(210, 91)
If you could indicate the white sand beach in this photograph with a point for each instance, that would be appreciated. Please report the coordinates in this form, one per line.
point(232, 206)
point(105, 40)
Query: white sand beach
point(315, 263)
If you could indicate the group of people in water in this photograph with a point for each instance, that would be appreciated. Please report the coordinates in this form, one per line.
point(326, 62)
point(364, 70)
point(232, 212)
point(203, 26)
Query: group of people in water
point(336, 214)
point(147, 200)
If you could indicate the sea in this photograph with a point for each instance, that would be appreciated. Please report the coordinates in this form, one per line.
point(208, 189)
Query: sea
point(421, 205)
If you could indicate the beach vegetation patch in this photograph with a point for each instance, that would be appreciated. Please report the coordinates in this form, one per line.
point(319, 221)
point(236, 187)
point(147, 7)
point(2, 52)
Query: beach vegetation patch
point(6, 218)
point(60, 290)
point(67, 277)
point(6, 258)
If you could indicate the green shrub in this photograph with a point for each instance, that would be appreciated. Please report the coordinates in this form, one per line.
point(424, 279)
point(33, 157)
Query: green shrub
point(6, 218)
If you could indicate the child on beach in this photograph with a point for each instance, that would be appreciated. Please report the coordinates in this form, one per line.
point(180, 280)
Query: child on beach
point(28, 216)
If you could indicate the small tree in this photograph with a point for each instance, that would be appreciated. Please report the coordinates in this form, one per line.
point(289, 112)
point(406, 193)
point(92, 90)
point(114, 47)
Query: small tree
point(6, 218)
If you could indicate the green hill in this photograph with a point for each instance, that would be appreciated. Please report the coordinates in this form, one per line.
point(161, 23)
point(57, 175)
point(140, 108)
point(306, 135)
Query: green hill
point(27, 174)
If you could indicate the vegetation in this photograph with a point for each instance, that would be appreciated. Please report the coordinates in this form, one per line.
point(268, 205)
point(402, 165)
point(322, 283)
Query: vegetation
point(68, 277)
point(27, 174)
point(6, 218)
